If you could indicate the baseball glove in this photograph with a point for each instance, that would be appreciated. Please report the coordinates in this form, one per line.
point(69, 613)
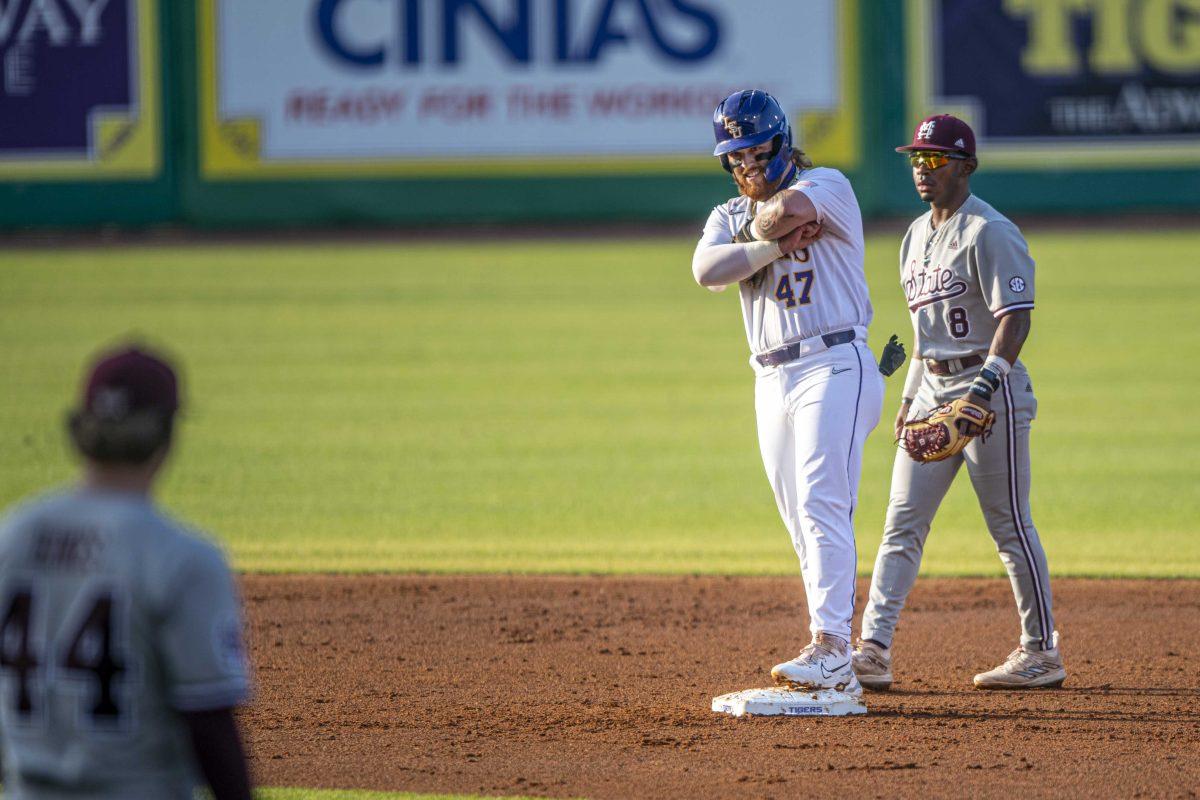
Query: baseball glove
point(946, 430)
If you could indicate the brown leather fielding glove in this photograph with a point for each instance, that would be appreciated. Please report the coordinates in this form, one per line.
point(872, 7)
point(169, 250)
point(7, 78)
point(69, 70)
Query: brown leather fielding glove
point(946, 430)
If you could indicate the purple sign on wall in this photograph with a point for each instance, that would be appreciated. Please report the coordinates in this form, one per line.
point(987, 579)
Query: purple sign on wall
point(1077, 71)
point(61, 61)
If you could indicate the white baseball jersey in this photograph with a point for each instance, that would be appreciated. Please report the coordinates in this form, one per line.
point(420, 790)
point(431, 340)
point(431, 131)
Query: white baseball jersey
point(822, 288)
point(962, 277)
point(113, 619)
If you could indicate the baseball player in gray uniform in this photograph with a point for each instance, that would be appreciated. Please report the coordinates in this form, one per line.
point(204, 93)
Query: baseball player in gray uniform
point(792, 242)
point(121, 653)
point(968, 279)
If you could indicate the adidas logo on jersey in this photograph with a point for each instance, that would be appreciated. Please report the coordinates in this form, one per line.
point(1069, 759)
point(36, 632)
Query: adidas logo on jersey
point(953, 244)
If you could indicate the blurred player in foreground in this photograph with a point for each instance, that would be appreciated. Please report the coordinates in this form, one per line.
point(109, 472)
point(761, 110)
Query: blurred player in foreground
point(793, 243)
point(121, 655)
point(968, 278)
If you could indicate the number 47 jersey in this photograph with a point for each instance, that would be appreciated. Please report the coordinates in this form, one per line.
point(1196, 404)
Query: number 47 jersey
point(113, 620)
point(821, 289)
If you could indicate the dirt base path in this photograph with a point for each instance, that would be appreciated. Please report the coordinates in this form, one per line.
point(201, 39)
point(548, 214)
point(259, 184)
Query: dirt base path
point(600, 688)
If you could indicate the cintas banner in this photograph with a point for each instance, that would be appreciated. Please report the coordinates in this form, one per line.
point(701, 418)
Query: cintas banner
point(418, 87)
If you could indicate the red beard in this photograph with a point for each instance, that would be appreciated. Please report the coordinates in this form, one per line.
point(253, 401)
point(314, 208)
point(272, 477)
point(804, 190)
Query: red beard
point(758, 189)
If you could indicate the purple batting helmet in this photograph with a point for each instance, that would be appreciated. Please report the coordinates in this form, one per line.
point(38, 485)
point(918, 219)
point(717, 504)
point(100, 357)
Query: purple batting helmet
point(747, 119)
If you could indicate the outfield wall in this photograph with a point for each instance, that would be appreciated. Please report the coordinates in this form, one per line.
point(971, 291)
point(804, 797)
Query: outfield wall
point(301, 112)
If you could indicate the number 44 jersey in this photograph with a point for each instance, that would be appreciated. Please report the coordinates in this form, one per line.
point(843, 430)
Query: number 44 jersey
point(113, 619)
point(962, 277)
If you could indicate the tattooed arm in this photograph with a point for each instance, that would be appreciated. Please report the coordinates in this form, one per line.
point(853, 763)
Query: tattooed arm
point(783, 213)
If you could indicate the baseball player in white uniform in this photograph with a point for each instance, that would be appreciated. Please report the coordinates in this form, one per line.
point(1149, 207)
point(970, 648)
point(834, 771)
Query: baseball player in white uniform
point(968, 278)
point(121, 653)
point(793, 243)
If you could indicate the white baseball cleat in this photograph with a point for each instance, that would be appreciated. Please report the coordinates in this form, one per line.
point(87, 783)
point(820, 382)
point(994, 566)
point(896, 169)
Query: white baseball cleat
point(824, 664)
point(1026, 669)
point(872, 664)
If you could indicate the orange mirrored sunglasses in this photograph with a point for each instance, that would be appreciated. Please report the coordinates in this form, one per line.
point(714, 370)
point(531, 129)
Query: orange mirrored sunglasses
point(931, 159)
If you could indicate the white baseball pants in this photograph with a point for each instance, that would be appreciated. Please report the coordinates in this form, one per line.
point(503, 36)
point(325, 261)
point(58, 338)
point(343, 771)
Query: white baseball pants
point(814, 415)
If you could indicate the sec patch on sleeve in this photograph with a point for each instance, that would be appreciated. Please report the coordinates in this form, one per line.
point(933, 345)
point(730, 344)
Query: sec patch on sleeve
point(1017, 284)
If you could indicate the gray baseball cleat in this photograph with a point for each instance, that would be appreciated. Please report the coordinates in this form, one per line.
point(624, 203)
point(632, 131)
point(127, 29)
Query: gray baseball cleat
point(1026, 669)
point(824, 664)
point(873, 665)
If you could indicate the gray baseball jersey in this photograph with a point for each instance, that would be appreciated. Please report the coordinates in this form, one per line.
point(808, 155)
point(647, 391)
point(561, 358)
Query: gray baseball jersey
point(961, 278)
point(113, 619)
point(821, 289)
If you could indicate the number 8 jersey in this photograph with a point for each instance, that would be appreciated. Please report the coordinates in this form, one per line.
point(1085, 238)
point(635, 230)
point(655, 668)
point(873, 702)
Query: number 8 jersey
point(821, 289)
point(961, 278)
point(113, 619)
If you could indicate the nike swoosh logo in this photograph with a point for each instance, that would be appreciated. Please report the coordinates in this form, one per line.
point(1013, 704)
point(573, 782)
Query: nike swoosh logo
point(837, 371)
point(825, 673)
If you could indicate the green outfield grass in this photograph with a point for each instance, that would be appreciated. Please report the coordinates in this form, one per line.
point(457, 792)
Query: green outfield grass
point(577, 406)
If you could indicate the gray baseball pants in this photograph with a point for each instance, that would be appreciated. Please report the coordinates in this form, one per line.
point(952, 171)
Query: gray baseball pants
point(999, 470)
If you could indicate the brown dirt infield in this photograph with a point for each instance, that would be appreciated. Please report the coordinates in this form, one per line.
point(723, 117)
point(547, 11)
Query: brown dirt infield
point(600, 687)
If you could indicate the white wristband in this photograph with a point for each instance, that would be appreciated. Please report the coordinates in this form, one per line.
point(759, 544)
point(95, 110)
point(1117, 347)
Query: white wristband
point(759, 254)
point(997, 365)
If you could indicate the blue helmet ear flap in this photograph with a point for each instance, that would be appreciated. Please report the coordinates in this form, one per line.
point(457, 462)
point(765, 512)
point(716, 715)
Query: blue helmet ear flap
point(777, 145)
point(781, 157)
point(725, 163)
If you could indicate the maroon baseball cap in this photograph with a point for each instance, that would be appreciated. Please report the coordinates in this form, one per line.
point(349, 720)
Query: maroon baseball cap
point(123, 382)
point(944, 133)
